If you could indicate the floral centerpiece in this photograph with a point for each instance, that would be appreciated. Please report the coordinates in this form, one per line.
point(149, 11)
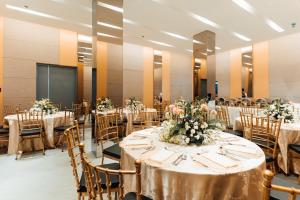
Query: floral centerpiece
point(278, 110)
point(188, 124)
point(44, 105)
point(104, 104)
point(134, 104)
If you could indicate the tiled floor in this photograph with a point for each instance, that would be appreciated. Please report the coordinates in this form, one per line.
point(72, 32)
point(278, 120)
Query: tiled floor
point(49, 177)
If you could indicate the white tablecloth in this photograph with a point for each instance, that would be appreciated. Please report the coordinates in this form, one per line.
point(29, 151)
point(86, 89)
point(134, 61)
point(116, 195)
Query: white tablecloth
point(50, 121)
point(190, 179)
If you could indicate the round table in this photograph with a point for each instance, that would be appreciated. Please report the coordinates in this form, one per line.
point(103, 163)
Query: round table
point(289, 134)
point(50, 122)
point(203, 173)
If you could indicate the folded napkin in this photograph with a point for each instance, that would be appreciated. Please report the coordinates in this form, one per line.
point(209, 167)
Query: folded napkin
point(228, 137)
point(245, 152)
point(136, 142)
point(220, 159)
point(161, 156)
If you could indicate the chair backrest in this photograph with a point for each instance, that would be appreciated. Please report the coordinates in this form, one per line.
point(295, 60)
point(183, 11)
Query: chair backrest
point(247, 124)
point(28, 120)
point(69, 116)
point(265, 133)
point(223, 115)
point(250, 110)
point(268, 186)
point(152, 119)
point(9, 110)
point(94, 182)
point(73, 140)
point(107, 127)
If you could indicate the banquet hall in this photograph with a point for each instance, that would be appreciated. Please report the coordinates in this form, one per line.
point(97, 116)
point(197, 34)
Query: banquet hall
point(149, 100)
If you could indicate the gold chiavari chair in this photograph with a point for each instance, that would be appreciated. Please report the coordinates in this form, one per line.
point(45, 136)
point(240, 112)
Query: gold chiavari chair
point(108, 133)
point(30, 127)
point(265, 133)
point(293, 152)
point(246, 120)
point(267, 187)
point(67, 123)
point(223, 115)
point(9, 110)
point(121, 121)
point(80, 117)
point(152, 119)
point(250, 110)
point(139, 120)
point(58, 106)
point(101, 181)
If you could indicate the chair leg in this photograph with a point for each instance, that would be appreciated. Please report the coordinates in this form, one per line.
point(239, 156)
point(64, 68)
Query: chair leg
point(18, 149)
point(43, 142)
point(102, 160)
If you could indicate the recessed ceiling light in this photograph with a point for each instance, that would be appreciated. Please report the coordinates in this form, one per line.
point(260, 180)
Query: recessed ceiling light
point(209, 50)
point(189, 50)
point(204, 53)
point(250, 70)
point(204, 20)
point(109, 25)
point(197, 42)
point(32, 12)
point(244, 5)
point(217, 48)
point(246, 49)
point(274, 26)
point(248, 64)
point(86, 48)
point(175, 35)
point(106, 35)
point(111, 7)
point(127, 21)
point(247, 56)
point(157, 53)
point(242, 37)
point(197, 60)
point(84, 38)
point(157, 63)
point(161, 43)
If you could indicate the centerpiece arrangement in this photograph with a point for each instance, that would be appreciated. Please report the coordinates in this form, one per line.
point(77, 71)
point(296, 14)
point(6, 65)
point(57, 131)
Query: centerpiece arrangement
point(278, 110)
point(44, 105)
point(104, 104)
point(187, 124)
point(133, 104)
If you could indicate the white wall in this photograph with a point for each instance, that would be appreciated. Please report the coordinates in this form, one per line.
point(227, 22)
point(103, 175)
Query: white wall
point(25, 44)
point(284, 67)
point(223, 73)
point(181, 76)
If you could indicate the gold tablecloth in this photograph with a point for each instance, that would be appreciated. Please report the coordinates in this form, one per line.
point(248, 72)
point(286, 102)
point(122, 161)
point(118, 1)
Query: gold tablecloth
point(50, 121)
point(289, 134)
point(189, 180)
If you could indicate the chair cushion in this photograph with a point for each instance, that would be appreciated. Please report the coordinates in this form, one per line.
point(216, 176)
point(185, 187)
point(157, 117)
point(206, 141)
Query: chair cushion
point(113, 178)
point(113, 151)
point(4, 131)
point(137, 122)
point(119, 123)
point(61, 128)
point(273, 198)
point(235, 132)
point(80, 122)
point(132, 196)
point(295, 147)
point(269, 158)
point(31, 132)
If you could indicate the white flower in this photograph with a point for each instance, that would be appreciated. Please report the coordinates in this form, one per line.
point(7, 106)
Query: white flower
point(187, 140)
point(196, 127)
point(193, 131)
point(197, 136)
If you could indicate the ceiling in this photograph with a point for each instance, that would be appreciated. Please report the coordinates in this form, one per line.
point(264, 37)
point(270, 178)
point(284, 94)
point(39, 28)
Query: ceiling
point(151, 17)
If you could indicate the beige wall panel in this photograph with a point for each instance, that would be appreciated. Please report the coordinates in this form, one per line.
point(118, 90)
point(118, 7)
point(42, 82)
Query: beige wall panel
point(157, 81)
point(284, 71)
point(133, 72)
point(148, 76)
point(25, 45)
point(261, 70)
point(166, 82)
point(67, 48)
point(223, 73)
point(1, 69)
point(80, 72)
point(235, 73)
point(181, 76)
point(101, 69)
point(211, 74)
point(87, 83)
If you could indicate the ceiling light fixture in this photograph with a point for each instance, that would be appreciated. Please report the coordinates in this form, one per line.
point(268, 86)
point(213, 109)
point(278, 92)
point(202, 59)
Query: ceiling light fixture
point(204, 20)
point(242, 37)
point(157, 53)
point(189, 50)
point(247, 56)
point(157, 63)
point(106, 35)
point(248, 63)
point(217, 48)
point(175, 35)
point(197, 60)
point(109, 25)
point(127, 21)
point(209, 50)
point(84, 38)
point(86, 48)
point(244, 5)
point(197, 42)
point(85, 53)
point(205, 54)
point(274, 26)
point(111, 7)
point(32, 12)
point(161, 43)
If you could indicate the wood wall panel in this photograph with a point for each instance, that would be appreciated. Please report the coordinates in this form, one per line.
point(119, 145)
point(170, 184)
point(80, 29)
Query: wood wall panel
point(166, 76)
point(80, 73)
point(148, 76)
point(1, 69)
point(235, 73)
point(67, 48)
point(101, 57)
point(261, 70)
